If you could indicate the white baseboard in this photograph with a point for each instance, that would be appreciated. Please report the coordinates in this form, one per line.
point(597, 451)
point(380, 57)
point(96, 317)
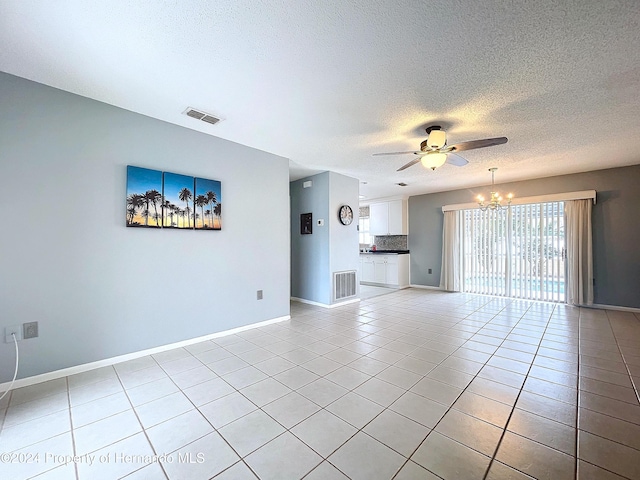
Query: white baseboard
point(612, 307)
point(24, 382)
point(325, 305)
point(595, 305)
point(385, 285)
point(426, 287)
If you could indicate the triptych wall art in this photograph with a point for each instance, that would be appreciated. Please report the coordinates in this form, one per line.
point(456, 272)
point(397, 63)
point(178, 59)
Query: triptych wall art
point(158, 199)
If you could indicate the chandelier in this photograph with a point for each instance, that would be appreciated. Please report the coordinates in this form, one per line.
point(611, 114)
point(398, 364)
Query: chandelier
point(495, 203)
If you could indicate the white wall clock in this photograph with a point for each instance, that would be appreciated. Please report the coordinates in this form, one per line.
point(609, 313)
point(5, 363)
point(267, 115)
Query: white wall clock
point(345, 214)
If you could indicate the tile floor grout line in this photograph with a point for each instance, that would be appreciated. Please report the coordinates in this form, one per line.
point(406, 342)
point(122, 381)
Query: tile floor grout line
point(322, 408)
point(225, 469)
point(26, 421)
point(358, 430)
point(449, 325)
point(578, 407)
point(450, 406)
point(408, 458)
point(504, 429)
point(241, 458)
point(513, 408)
point(626, 365)
point(633, 383)
point(459, 395)
point(70, 431)
point(287, 430)
point(576, 468)
point(141, 425)
point(73, 437)
point(6, 410)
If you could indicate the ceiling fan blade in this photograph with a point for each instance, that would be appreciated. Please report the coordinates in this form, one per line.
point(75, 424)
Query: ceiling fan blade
point(410, 164)
point(457, 160)
point(487, 142)
point(393, 153)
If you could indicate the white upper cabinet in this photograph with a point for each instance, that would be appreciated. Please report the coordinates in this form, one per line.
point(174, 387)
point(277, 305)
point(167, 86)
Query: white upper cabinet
point(388, 218)
point(379, 218)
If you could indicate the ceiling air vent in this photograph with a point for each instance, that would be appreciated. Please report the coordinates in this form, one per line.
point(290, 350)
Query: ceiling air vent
point(210, 119)
point(200, 115)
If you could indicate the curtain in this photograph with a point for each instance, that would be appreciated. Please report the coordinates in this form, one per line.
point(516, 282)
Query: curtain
point(579, 281)
point(451, 273)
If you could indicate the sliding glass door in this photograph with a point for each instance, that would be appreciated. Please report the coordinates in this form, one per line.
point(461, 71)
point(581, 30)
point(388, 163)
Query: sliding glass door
point(485, 251)
point(518, 252)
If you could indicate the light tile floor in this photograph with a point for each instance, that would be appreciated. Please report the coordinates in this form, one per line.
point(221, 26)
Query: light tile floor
point(415, 384)
point(370, 291)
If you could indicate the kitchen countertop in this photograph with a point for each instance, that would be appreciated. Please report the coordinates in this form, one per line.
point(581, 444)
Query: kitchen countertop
point(386, 252)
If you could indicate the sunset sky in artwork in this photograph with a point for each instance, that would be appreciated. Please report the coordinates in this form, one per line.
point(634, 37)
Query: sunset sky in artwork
point(169, 185)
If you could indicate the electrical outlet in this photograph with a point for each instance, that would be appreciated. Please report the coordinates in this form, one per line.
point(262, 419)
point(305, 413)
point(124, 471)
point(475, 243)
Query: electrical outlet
point(259, 295)
point(430, 271)
point(29, 330)
point(17, 329)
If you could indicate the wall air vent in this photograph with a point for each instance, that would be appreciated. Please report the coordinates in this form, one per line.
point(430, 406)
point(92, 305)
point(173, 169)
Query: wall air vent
point(344, 284)
point(200, 115)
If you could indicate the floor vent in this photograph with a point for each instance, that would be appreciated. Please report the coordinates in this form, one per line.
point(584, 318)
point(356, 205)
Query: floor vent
point(344, 284)
point(200, 115)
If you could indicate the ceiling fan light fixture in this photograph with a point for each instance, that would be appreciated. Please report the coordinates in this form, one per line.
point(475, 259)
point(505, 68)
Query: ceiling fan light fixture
point(434, 151)
point(433, 160)
point(437, 139)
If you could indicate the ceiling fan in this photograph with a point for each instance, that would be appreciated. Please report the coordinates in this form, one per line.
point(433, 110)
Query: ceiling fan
point(434, 151)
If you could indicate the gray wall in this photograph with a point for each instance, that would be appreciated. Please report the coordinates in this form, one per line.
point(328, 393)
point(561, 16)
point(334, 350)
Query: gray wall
point(616, 228)
point(310, 253)
point(100, 289)
point(330, 248)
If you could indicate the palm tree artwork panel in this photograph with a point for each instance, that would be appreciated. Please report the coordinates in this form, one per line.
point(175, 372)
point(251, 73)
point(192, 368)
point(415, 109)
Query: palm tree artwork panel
point(178, 201)
point(208, 202)
point(144, 197)
point(157, 199)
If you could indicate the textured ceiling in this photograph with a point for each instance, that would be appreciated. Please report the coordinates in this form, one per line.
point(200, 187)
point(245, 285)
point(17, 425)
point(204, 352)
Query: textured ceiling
point(327, 84)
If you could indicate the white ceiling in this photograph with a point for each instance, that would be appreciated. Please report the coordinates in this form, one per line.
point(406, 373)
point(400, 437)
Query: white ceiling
point(328, 83)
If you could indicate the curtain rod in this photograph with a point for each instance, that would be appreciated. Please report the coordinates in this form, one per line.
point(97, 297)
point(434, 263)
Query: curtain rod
point(552, 197)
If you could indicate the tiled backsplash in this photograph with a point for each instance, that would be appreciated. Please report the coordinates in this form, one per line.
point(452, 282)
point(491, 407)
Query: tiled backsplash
point(390, 242)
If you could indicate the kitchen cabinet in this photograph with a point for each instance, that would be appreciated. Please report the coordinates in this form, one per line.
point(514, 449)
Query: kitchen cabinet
point(367, 269)
point(389, 270)
point(380, 270)
point(388, 218)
